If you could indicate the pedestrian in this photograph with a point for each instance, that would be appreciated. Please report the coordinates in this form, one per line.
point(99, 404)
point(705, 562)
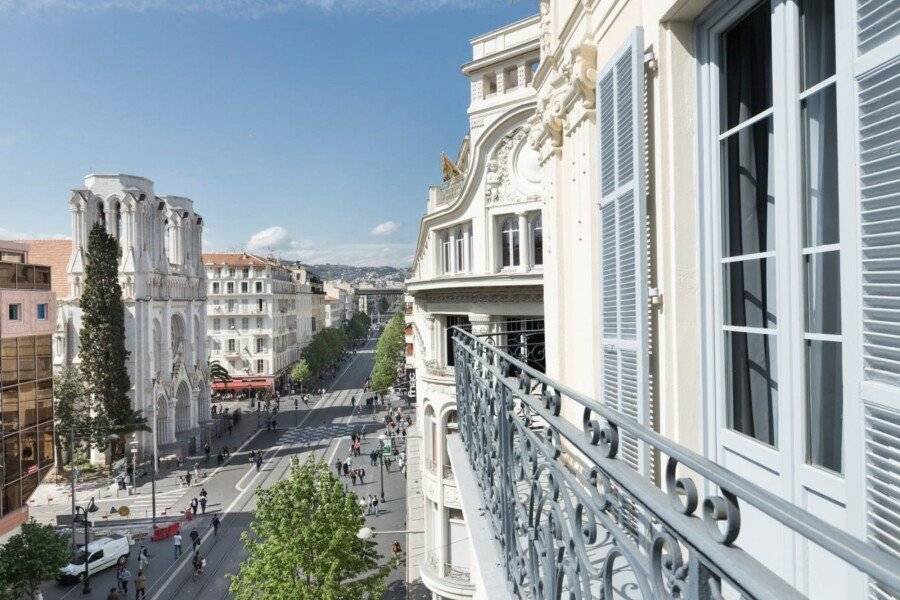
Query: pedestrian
point(187, 478)
point(374, 457)
point(226, 452)
point(362, 474)
point(140, 586)
point(252, 455)
point(274, 424)
point(124, 578)
point(176, 543)
point(396, 549)
point(219, 459)
point(113, 595)
point(229, 428)
point(353, 476)
point(215, 523)
point(206, 451)
point(375, 504)
point(143, 558)
point(203, 503)
point(194, 504)
point(258, 462)
point(346, 469)
point(197, 471)
point(195, 538)
point(338, 466)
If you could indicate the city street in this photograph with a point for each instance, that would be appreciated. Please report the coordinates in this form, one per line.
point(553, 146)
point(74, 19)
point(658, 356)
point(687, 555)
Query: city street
point(323, 431)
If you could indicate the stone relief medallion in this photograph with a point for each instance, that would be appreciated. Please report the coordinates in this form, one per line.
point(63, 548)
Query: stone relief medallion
point(513, 172)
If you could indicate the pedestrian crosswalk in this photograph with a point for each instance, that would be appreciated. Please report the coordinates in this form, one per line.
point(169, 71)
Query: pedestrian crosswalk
point(164, 500)
point(309, 435)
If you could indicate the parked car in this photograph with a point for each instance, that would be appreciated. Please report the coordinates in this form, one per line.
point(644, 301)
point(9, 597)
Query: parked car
point(101, 554)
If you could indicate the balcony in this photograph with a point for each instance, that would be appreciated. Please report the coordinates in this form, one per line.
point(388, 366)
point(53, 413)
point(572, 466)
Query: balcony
point(571, 519)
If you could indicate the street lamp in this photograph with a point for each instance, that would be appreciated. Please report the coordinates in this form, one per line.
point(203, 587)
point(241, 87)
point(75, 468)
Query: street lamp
point(82, 513)
point(367, 533)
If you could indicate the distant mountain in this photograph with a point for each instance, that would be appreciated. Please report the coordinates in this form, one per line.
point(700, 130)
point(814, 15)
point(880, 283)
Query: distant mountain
point(359, 274)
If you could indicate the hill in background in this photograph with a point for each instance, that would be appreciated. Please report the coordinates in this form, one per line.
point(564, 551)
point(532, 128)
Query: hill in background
point(374, 275)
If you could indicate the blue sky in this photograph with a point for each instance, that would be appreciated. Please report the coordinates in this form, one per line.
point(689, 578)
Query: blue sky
point(309, 127)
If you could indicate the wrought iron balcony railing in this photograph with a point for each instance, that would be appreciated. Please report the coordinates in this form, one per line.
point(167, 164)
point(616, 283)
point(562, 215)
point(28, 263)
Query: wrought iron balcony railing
point(575, 521)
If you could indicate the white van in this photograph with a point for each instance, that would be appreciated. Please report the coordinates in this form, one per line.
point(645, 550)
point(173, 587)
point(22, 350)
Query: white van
point(102, 553)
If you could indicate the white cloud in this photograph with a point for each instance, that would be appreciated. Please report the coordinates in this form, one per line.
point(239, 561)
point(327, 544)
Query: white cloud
point(386, 228)
point(278, 241)
point(12, 235)
point(251, 8)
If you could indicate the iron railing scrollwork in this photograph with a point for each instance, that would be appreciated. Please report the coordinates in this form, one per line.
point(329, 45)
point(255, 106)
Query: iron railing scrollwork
point(574, 521)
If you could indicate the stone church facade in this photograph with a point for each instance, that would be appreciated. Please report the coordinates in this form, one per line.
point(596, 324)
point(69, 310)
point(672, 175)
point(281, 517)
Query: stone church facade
point(164, 290)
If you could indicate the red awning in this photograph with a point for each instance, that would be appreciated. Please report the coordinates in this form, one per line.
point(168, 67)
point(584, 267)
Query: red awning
point(237, 385)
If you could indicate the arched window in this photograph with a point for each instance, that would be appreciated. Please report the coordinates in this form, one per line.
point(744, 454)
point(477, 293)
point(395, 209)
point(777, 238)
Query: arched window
point(118, 231)
point(101, 214)
point(509, 240)
point(167, 232)
point(537, 239)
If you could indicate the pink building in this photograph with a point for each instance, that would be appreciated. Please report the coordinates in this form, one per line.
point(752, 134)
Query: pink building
point(27, 321)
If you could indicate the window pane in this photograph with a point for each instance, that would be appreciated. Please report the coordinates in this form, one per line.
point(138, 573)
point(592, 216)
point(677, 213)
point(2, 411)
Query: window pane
point(820, 204)
point(747, 74)
point(817, 41)
point(515, 247)
point(45, 449)
point(45, 400)
point(823, 292)
point(505, 241)
point(752, 384)
point(27, 405)
point(825, 403)
point(750, 293)
point(12, 497)
point(748, 204)
point(11, 456)
point(9, 364)
point(10, 400)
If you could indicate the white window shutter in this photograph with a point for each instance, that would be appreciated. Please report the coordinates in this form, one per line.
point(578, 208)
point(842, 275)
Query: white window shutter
point(878, 148)
point(625, 381)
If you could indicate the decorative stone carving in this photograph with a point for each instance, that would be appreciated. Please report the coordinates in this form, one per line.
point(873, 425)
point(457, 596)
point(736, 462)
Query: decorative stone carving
point(576, 80)
point(513, 170)
point(451, 496)
point(546, 28)
point(486, 298)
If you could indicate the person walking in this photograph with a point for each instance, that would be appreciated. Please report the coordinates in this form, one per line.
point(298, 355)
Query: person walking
point(140, 586)
point(226, 452)
point(198, 564)
point(338, 466)
point(396, 549)
point(362, 475)
point(124, 578)
point(258, 462)
point(197, 471)
point(176, 543)
point(219, 459)
point(113, 594)
point(195, 538)
point(215, 523)
point(353, 476)
point(375, 505)
point(143, 558)
point(203, 503)
point(194, 504)
point(187, 478)
point(207, 450)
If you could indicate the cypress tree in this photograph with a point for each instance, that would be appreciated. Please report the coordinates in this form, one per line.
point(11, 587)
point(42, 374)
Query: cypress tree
point(103, 354)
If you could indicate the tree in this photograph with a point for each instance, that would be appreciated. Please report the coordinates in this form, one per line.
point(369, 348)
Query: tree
point(103, 354)
point(72, 412)
point(304, 544)
point(388, 354)
point(359, 325)
point(301, 371)
point(218, 373)
point(383, 305)
point(31, 557)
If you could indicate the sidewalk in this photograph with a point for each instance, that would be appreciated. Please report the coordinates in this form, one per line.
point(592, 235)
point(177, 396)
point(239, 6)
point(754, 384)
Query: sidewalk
point(51, 499)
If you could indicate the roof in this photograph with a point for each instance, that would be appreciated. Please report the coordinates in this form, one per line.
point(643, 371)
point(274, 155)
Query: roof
point(235, 259)
point(54, 254)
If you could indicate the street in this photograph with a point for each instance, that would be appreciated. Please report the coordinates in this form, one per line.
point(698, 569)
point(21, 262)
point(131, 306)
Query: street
point(322, 431)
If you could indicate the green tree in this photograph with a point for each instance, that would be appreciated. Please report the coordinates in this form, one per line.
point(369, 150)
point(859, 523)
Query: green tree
point(29, 558)
point(217, 372)
point(304, 546)
point(103, 354)
point(301, 371)
point(72, 412)
point(359, 325)
point(388, 354)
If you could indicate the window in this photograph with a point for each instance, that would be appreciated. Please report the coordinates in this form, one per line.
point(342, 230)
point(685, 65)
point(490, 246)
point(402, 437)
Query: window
point(260, 366)
point(510, 78)
point(42, 312)
point(215, 325)
point(489, 84)
point(231, 323)
point(313, 324)
point(215, 287)
point(15, 312)
point(229, 287)
point(453, 321)
point(245, 287)
point(245, 323)
point(259, 287)
point(245, 273)
point(537, 239)
point(259, 322)
point(259, 305)
point(759, 107)
point(460, 250)
point(231, 345)
point(260, 345)
point(509, 242)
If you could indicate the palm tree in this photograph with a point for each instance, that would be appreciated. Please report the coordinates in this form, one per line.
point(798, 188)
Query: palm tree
point(218, 373)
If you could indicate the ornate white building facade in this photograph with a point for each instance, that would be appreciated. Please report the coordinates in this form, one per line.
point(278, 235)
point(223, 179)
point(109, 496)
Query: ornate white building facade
point(478, 264)
point(164, 292)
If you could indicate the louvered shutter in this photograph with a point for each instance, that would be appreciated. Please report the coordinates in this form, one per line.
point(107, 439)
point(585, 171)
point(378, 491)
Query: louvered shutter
point(623, 246)
point(877, 73)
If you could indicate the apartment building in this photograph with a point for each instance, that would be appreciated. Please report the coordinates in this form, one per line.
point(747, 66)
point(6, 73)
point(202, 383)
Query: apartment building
point(27, 319)
point(252, 320)
point(310, 303)
point(345, 295)
point(718, 414)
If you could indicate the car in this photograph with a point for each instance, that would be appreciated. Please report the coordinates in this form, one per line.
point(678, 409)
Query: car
point(101, 554)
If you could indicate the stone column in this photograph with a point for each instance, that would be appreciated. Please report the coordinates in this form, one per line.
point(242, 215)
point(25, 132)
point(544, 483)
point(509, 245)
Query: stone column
point(524, 243)
point(467, 256)
point(452, 238)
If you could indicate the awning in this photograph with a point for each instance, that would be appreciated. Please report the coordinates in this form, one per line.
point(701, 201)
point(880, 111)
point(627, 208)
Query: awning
point(237, 385)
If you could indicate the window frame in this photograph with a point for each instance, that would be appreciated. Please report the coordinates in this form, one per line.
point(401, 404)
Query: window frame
point(790, 454)
point(14, 311)
point(513, 247)
point(41, 307)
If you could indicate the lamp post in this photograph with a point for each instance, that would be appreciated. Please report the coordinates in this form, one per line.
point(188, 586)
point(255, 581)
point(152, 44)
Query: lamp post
point(83, 514)
point(381, 439)
point(367, 533)
point(134, 453)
